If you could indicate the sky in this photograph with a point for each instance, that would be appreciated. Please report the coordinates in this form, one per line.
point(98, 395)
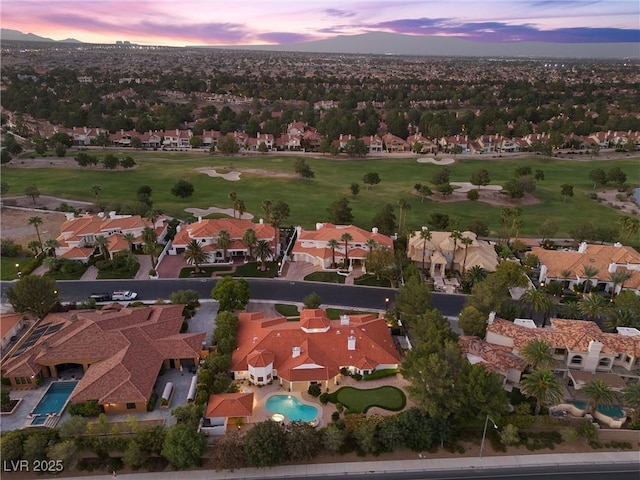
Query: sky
point(260, 22)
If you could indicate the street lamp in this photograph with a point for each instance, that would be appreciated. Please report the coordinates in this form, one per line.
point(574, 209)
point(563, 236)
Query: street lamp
point(484, 432)
point(386, 304)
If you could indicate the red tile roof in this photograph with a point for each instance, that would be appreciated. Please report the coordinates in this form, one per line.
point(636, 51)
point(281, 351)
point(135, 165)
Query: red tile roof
point(125, 348)
point(227, 405)
point(321, 354)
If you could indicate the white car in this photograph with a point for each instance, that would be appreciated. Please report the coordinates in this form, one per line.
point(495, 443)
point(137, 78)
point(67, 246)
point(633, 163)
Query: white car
point(124, 295)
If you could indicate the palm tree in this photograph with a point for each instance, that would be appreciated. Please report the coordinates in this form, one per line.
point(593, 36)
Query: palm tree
point(467, 242)
point(129, 238)
point(619, 317)
point(240, 207)
point(263, 252)
point(539, 302)
point(51, 244)
point(589, 273)
point(346, 238)
point(34, 246)
point(598, 393)
point(96, 189)
point(593, 306)
point(224, 240)
point(628, 226)
point(425, 236)
point(570, 310)
point(152, 215)
point(538, 354)
point(249, 239)
point(371, 244)
point(195, 254)
point(619, 278)
point(544, 386)
point(102, 243)
point(233, 196)
point(565, 274)
point(456, 235)
point(631, 397)
point(333, 244)
point(151, 247)
point(476, 274)
point(268, 209)
point(36, 222)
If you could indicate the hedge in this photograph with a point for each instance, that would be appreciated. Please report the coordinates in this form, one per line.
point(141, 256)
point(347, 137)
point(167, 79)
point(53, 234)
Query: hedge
point(387, 372)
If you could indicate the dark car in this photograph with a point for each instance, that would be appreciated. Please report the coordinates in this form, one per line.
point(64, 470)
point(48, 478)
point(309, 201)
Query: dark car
point(100, 297)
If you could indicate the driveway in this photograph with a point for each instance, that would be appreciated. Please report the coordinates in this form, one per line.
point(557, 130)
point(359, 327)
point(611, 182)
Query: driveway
point(298, 270)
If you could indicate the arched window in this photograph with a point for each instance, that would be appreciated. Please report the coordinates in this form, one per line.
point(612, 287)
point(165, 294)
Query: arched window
point(604, 362)
point(576, 360)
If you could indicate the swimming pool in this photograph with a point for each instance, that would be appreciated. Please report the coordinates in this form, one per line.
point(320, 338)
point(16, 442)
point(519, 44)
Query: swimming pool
point(53, 401)
point(291, 407)
point(613, 411)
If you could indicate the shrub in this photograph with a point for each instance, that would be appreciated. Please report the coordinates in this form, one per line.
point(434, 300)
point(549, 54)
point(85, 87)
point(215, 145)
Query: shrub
point(151, 404)
point(473, 195)
point(324, 398)
point(387, 372)
point(509, 435)
point(357, 377)
point(587, 430)
point(335, 416)
point(86, 409)
point(32, 265)
point(314, 390)
point(593, 196)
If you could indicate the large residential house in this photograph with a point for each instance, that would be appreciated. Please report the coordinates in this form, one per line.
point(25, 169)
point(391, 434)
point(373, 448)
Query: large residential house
point(582, 351)
point(313, 246)
point(373, 143)
point(426, 145)
point(393, 143)
point(441, 250)
point(207, 231)
point(120, 351)
point(78, 234)
point(82, 136)
point(569, 266)
point(311, 351)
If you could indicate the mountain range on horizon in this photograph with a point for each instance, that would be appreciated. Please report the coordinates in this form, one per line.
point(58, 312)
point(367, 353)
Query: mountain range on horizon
point(383, 43)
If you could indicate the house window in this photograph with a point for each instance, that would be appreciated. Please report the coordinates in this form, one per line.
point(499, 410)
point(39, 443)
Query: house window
point(131, 406)
point(576, 360)
point(627, 359)
point(261, 379)
point(252, 377)
point(604, 362)
point(268, 376)
point(559, 351)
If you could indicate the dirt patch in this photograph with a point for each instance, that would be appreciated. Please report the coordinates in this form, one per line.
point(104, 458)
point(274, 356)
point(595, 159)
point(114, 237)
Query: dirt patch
point(485, 196)
point(14, 223)
point(628, 205)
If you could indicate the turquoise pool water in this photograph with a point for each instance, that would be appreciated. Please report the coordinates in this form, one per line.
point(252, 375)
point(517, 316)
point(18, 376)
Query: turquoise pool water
point(291, 407)
point(613, 411)
point(53, 400)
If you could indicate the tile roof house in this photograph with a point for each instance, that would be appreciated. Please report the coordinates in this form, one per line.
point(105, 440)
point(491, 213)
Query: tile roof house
point(224, 408)
point(78, 234)
point(607, 259)
point(439, 252)
point(313, 350)
point(10, 325)
point(313, 246)
point(206, 232)
point(373, 143)
point(579, 346)
point(393, 143)
point(120, 349)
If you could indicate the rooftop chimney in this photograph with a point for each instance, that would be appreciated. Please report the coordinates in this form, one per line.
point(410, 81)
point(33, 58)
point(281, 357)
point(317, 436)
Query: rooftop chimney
point(492, 317)
point(351, 342)
point(582, 248)
point(295, 352)
point(344, 320)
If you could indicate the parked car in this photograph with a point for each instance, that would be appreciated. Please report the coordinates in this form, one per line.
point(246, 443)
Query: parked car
point(100, 297)
point(124, 295)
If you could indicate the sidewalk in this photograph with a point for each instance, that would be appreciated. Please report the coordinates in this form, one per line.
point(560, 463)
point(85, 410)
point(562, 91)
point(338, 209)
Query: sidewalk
point(449, 464)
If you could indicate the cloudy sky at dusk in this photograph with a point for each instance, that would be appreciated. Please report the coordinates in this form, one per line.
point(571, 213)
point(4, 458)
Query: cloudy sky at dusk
point(252, 22)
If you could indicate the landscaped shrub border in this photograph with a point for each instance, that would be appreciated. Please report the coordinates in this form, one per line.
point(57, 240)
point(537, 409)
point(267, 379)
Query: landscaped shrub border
point(387, 372)
point(336, 398)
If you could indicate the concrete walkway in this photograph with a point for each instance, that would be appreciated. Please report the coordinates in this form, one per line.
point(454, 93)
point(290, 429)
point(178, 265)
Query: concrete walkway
point(324, 470)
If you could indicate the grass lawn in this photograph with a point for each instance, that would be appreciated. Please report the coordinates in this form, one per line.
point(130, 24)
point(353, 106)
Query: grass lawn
point(287, 310)
point(327, 277)
point(360, 400)
point(252, 269)
point(334, 313)
point(116, 274)
point(186, 272)
point(309, 199)
point(372, 281)
point(8, 270)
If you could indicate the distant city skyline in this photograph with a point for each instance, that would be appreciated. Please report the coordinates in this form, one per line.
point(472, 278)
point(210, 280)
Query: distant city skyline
point(206, 22)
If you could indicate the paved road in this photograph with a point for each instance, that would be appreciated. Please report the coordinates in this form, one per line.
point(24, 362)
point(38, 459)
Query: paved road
point(261, 289)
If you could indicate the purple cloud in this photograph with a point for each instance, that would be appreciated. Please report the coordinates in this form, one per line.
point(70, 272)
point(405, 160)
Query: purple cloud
point(334, 12)
point(503, 32)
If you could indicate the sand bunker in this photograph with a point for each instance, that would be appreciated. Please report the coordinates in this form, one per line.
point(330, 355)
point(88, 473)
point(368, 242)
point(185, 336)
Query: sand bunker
point(464, 187)
point(231, 176)
point(203, 212)
point(444, 161)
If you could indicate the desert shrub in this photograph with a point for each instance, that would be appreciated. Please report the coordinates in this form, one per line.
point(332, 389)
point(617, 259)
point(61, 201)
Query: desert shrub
point(324, 398)
point(473, 195)
point(587, 429)
point(509, 435)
